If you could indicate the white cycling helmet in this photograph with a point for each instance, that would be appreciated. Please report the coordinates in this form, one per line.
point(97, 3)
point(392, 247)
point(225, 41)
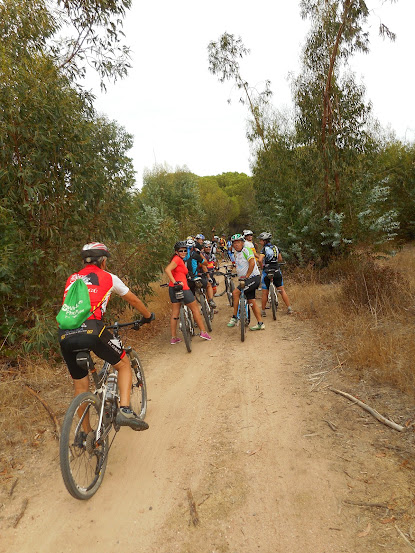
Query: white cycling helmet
point(190, 242)
point(247, 232)
point(94, 250)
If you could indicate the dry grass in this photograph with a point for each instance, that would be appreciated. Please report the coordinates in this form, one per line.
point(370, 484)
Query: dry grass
point(366, 315)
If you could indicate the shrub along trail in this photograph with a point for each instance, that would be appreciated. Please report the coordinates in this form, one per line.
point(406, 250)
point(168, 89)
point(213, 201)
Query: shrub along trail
point(239, 457)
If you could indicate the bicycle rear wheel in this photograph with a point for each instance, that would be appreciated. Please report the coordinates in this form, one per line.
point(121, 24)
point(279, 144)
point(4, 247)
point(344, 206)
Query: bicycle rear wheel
point(242, 317)
point(274, 301)
point(205, 313)
point(82, 461)
point(229, 289)
point(185, 328)
point(138, 400)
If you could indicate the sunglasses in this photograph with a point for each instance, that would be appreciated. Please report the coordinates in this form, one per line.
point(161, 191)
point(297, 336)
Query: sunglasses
point(182, 251)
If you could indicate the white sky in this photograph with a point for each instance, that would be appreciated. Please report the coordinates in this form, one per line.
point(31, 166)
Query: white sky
point(178, 111)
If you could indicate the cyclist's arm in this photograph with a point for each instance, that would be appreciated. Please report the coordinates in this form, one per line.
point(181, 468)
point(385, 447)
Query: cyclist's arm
point(261, 257)
point(168, 270)
point(279, 256)
point(133, 300)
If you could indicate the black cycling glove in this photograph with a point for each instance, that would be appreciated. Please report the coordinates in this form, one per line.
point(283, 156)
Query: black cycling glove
point(145, 320)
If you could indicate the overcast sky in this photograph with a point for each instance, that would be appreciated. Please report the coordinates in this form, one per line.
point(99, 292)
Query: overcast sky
point(178, 111)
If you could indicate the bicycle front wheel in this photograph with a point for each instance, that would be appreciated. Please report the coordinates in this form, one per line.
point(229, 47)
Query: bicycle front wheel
point(138, 399)
point(185, 328)
point(274, 301)
point(242, 317)
point(83, 461)
point(205, 313)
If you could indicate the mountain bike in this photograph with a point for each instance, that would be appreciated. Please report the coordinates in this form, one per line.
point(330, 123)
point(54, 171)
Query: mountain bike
point(244, 314)
point(229, 285)
point(186, 322)
point(273, 293)
point(84, 455)
point(206, 309)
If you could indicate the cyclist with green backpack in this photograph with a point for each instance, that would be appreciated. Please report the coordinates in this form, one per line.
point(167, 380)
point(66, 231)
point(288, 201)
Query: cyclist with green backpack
point(84, 329)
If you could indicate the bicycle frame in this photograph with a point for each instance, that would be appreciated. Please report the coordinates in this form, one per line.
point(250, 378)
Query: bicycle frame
point(100, 381)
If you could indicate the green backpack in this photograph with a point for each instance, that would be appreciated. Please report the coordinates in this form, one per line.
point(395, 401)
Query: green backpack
point(76, 308)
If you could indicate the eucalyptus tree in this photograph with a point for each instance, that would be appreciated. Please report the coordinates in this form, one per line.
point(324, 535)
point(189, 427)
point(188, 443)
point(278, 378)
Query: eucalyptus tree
point(224, 58)
point(64, 172)
point(331, 108)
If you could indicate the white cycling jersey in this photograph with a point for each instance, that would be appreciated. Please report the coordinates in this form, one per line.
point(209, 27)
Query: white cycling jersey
point(242, 259)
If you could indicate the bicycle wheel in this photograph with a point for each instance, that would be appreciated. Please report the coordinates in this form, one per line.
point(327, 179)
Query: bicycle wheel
point(82, 461)
point(229, 289)
point(185, 328)
point(274, 301)
point(138, 399)
point(205, 312)
point(242, 317)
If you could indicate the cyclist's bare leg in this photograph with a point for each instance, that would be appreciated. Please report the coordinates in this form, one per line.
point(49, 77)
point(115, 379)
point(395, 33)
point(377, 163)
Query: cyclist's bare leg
point(125, 380)
point(209, 291)
point(256, 310)
point(82, 385)
point(236, 295)
point(196, 315)
point(284, 295)
point(264, 299)
point(174, 318)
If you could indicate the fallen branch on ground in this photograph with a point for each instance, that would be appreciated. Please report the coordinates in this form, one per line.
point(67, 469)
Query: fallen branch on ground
point(404, 537)
point(13, 486)
point(192, 507)
point(22, 512)
point(48, 409)
point(370, 410)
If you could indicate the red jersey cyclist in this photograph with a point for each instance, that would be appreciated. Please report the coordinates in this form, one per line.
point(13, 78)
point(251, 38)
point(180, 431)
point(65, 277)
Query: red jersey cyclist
point(177, 272)
point(93, 335)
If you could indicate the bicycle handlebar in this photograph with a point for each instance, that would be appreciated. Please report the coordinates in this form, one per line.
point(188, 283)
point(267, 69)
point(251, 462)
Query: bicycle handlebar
point(135, 324)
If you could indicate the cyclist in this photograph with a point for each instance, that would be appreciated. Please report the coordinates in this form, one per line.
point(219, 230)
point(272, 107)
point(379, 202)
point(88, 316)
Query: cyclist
point(93, 335)
point(248, 235)
point(197, 266)
point(222, 246)
point(212, 263)
point(229, 250)
point(247, 269)
point(270, 256)
point(199, 239)
point(177, 272)
point(215, 244)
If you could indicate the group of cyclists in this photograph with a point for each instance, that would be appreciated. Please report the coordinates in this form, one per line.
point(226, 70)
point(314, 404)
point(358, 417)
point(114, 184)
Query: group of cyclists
point(193, 258)
point(196, 258)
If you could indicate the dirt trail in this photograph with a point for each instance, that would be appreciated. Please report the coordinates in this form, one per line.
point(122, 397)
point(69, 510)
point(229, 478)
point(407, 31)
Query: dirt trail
point(239, 426)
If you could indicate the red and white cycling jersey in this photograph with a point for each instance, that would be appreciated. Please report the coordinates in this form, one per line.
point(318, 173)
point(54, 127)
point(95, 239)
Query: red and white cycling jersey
point(100, 285)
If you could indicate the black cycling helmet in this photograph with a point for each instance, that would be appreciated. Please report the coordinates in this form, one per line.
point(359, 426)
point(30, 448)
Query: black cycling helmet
point(94, 250)
point(180, 244)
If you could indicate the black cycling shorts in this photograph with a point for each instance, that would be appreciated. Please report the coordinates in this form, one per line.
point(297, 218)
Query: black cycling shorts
point(192, 283)
point(91, 335)
point(251, 284)
point(188, 296)
point(277, 279)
